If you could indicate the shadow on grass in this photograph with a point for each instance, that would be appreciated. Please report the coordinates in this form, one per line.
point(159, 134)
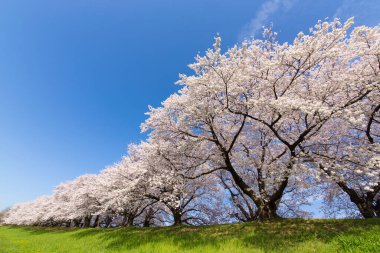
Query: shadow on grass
point(132, 238)
point(43, 230)
point(285, 234)
point(274, 235)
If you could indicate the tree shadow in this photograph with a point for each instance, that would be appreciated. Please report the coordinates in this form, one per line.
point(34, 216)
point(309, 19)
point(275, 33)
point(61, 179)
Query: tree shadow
point(286, 234)
point(43, 230)
point(280, 235)
point(131, 238)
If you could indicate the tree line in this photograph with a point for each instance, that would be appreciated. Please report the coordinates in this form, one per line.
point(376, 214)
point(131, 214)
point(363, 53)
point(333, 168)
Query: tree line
point(256, 133)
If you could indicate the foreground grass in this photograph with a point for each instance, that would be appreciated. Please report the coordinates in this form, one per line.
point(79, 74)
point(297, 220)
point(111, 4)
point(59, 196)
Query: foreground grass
point(293, 236)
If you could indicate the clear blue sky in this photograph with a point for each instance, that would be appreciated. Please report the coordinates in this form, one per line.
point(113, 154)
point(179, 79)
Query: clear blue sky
point(77, 76)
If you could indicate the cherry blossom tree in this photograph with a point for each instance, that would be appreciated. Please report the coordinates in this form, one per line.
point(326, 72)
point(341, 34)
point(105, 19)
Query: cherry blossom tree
point(188, 200)
point(288, 93)
point(119, 192)
point(31, 213)
point(347, 150)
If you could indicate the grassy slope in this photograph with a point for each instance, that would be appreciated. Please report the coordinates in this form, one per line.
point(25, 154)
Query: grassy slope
point(277, 236)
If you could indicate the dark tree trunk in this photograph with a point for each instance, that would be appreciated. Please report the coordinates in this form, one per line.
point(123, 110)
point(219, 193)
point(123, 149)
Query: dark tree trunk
point(146, 223)
point(266, 209)
point(365, 203)
point(177, 217)
point(86, 221)
point(96, 221)
point(267, 212)
point(148, 217)
point(107, 221)
point(366, 208)
point(124, 220)
point(128, 220)
point(377, 207)
point(75, 223)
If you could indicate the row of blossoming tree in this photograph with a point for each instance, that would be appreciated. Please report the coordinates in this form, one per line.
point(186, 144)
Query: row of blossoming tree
point(257, 132)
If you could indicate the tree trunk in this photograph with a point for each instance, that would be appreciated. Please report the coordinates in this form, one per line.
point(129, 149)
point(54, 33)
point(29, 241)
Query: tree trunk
point(107, 221)
point(148, 217)
point(146, 222)
point(128, 220)
point(124, 221)
point(96, 221)
point(365, 204)
point(177, 217)
point(267, 211)
point(75, 223)
point(86, 221)
point(366, 209)
point(377, 207)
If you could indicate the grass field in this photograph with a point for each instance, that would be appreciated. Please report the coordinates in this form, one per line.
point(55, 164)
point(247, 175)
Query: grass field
point(278, 236)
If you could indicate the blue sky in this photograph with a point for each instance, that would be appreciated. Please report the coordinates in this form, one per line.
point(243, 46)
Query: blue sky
point(76, 76)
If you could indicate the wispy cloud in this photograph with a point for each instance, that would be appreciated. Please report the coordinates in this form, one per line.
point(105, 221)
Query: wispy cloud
point(266, 10)
point(365, 11)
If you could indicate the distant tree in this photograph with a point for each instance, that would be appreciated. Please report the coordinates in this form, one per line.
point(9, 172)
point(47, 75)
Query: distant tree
point(189, 201)
point(3, 214)
point(118, 191)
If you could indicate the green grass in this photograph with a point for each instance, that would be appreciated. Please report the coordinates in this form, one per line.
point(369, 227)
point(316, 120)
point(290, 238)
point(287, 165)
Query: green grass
point(294, 235)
